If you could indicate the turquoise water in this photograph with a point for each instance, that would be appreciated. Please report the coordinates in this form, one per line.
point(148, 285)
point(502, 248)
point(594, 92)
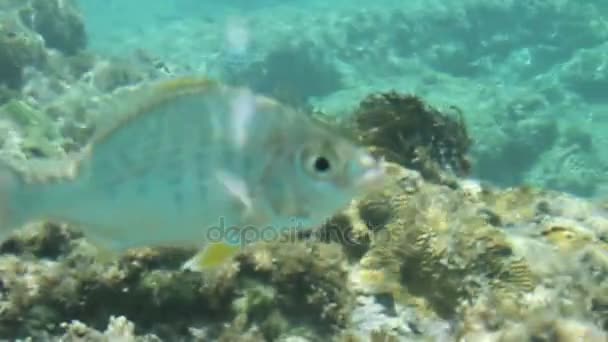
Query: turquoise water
point(434, 259)
point(531, 77)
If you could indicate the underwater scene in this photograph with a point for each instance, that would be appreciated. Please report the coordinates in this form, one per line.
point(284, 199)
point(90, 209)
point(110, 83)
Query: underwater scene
point(304, 170)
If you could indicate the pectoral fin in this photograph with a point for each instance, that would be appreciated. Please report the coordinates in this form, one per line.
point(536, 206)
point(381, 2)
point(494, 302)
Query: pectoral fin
point(212, 256)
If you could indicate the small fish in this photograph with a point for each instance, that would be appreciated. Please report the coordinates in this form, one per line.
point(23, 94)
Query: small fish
point(192, 161)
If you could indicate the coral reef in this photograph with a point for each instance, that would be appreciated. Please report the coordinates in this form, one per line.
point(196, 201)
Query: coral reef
point(523, 255)
point(29, 28)
point(119, 329)
point(50, 275)
point(442, 250)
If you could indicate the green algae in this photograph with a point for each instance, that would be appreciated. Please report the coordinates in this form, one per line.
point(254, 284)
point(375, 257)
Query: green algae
point(39, 133)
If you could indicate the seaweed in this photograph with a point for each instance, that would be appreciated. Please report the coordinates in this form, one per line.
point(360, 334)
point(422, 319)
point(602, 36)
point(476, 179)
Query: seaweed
point(407, 131)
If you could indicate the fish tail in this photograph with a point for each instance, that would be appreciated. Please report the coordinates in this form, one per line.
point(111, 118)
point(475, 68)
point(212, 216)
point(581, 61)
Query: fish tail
point(11, 188)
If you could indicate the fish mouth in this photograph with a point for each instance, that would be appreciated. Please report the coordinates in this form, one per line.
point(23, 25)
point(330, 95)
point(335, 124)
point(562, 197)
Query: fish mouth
point(374, 174)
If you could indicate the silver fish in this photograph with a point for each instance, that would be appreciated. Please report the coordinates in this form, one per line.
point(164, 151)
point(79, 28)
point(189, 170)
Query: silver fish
point(192, 161)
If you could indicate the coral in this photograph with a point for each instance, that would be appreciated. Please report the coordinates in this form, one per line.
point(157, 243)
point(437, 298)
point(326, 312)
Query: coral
point(568, 235)
point(50, 274)
point(446, 251)
point(514, 206)
point(39, 135)
point(19, 48)
point(48, 241)
point(439, 250)
point(407, 131)
point(309, 281)
point(58, 22)
point(484, 322)
point(24, 23)
point(119, 329)
point(57, 108)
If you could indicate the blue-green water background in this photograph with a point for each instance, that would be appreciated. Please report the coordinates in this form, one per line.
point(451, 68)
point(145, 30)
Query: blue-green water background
point(531, 76)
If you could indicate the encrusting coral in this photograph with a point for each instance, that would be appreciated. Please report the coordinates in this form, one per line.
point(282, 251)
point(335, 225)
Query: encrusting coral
point(50, 274)
point(441, 249)
point(524, 250)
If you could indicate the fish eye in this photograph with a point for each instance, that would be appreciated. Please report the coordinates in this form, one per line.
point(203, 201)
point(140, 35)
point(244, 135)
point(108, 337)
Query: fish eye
point(321, 164)
point(320, 161)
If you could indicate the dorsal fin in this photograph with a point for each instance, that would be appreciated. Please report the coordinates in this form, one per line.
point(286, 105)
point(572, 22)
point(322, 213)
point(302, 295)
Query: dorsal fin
point(127, 106)
point(124, 106)
point(118, 110)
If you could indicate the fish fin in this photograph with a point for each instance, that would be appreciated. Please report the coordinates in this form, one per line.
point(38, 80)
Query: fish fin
point(212, 256)
point(130, 103)
point(243, 111)
point(237, 188)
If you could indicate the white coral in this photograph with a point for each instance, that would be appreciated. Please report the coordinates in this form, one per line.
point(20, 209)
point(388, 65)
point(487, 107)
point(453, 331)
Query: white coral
point(120, 329)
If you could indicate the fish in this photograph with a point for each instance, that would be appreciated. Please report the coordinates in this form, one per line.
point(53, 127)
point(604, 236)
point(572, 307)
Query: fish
point(189, 161)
